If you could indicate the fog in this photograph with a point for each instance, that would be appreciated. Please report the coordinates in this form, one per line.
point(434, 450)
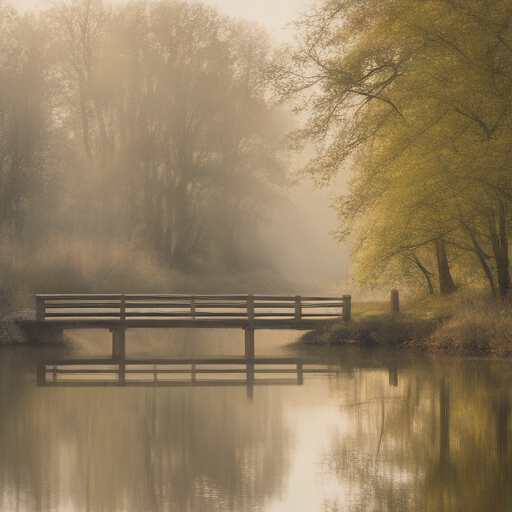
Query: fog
point(142, 150)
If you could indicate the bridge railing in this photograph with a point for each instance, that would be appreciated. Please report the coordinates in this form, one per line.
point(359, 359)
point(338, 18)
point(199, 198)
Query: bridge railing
point(189, 307)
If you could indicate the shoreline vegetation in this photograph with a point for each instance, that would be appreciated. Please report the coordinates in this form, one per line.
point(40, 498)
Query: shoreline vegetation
point(464, 324)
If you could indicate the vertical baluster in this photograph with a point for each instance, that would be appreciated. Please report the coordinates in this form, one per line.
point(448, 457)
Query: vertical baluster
point(122, 309)
point(298, 308)
point(192, 307)
point(250, 310)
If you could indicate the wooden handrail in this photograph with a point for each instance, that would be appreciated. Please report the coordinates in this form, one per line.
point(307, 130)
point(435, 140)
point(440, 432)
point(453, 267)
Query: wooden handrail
point(125, 307)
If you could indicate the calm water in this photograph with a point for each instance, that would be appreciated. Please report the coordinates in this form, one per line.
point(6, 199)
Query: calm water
point(379, 432)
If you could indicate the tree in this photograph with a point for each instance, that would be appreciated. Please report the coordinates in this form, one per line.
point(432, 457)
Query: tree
point(177, 134)
point(26, 151)
point(418, 95)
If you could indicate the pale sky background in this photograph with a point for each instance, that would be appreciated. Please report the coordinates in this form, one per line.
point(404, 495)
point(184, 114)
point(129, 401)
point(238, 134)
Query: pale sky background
point(301, 237)
point(273, 13)
point(307, 249)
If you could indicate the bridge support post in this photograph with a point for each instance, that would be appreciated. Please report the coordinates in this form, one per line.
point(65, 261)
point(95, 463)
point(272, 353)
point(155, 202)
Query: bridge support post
point(40, 309)
point(249, 342)
point(122, 373)
point(118, 342)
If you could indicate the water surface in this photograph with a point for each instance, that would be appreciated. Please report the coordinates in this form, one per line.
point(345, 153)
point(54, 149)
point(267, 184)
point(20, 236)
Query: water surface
point(380, 431)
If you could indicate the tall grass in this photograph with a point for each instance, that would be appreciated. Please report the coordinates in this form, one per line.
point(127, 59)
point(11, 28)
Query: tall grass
point(468, 322)
point(77, 266)
point(87, 265)
point(479, 324)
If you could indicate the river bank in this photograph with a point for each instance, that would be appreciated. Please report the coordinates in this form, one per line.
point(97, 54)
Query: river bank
point(461, 324)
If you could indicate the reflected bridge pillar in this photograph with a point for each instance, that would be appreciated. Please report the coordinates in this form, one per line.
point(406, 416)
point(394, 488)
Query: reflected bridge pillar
point(119, 351)
point(249, 354)
point(118, 342)
point(249, 342)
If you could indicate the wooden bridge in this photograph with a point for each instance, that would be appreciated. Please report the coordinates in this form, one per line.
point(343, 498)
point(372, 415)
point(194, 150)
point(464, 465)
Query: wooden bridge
point(248, 312)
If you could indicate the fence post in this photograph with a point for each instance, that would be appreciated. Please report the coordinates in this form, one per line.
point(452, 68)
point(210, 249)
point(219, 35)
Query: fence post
point(192, 307)
point(40, 309)
point(347, 307)
point(250, 310)
point(298, 308)
point(395, 302)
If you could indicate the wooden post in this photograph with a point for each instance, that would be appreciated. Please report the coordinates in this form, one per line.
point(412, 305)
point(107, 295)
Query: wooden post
point(193, 372)
point(118, 342)
point(41, 373)
point(347, 307)
point(122, 373)
point(122, 309)
point(250, 310)
point(122, 342)
point(249, 342)
point(395, 303)
point(40, 309)
point(300, 375)
point(298, 308)
point(192, 307)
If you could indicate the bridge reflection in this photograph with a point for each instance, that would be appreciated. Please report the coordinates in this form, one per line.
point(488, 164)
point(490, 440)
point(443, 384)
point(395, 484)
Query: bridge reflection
point(198, 371)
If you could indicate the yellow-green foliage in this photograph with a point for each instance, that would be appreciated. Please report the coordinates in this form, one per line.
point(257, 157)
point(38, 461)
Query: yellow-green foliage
point(415, 97)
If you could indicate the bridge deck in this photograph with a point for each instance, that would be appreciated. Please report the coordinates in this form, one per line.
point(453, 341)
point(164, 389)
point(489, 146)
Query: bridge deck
point(91, 323)
point(120, 312)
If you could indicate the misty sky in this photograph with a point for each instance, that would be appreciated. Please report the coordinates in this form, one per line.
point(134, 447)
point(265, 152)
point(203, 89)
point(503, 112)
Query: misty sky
point(301, 238)
point(273, 13)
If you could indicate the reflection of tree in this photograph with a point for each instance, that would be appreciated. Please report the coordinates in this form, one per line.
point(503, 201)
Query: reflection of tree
point(139, 448)
point(438, 441)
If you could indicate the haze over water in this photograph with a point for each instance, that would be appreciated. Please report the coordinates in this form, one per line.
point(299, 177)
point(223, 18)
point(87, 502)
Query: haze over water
point(381, 431)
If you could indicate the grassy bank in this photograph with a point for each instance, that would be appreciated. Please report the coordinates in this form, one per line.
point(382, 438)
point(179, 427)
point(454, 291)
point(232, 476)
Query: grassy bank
point(462, 324)
point(88, 266)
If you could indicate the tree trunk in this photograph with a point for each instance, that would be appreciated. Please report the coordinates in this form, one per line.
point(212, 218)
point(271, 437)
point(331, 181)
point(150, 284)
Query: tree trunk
point(426, 273)
point(481, 257)
point(446, 284)
point(499, 240)
point(85, 123)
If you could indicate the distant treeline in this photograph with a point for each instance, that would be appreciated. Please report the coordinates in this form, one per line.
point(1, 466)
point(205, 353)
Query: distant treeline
point(417, 97)
point(145, 123)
